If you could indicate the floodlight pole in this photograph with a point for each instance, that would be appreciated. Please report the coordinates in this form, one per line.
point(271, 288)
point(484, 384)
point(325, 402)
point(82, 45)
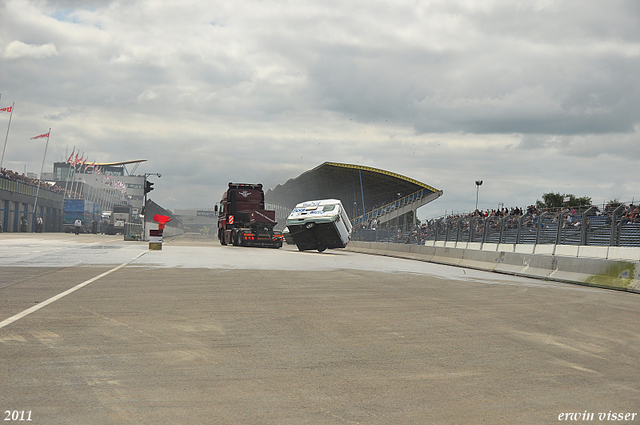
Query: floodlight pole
point(478, 184)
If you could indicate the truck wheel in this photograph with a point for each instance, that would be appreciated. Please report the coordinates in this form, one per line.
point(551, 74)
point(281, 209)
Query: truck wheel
point(302, 247)
point(322, 248)
point(221, 237)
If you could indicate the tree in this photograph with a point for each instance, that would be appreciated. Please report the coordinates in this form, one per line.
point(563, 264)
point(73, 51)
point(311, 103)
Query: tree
point(550, 200)
point(557, 200)
point(584, 201)
point(614, 203)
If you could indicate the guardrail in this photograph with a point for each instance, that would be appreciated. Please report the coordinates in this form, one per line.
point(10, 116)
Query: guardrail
point(558, 228)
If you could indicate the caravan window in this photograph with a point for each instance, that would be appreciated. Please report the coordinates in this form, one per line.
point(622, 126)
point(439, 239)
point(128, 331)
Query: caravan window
point(329, 208)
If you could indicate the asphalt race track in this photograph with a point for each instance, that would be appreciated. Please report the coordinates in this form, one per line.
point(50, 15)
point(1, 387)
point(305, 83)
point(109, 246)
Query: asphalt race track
point(95, 330)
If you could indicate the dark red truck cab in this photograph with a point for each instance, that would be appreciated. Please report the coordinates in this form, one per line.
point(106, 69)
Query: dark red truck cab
point(242, 219)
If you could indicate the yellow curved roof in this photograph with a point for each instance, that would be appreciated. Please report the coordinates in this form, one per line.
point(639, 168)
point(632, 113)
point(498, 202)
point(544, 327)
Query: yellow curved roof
point(120, 163)
point(348, 182)
point(388, 173)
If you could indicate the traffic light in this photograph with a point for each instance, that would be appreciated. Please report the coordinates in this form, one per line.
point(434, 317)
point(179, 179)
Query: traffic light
point(148, 186)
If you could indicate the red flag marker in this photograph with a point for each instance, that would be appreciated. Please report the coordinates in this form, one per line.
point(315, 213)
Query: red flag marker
point(40, 136)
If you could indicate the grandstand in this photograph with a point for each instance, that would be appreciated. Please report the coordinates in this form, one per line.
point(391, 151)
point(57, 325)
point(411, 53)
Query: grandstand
point(370, 195)
point(614, 226)
point(18, 194)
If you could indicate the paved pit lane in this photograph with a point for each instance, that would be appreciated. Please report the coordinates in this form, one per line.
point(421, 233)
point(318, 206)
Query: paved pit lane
point(200, 333)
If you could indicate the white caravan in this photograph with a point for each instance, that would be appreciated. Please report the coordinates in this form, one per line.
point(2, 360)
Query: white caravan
point(319, 225)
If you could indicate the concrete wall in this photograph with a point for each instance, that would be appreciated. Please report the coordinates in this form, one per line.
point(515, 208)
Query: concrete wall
point(606, 267)
point(601, 252)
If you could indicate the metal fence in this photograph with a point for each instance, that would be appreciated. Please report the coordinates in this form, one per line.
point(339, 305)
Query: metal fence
point(133, 231)
point(560, 228)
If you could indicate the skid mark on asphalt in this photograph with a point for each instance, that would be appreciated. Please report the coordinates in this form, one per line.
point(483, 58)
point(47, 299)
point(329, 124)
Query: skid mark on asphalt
point(12, 339)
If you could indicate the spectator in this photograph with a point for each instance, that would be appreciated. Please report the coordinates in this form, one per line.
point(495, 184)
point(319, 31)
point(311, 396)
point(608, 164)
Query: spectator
point(39, 224)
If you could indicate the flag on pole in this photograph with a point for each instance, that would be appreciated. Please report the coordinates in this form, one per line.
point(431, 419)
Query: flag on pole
point(10, 110)
point(71, 156)
point(41, 136)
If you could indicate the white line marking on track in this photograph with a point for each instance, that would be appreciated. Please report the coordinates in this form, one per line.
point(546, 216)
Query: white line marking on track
point(65, 293)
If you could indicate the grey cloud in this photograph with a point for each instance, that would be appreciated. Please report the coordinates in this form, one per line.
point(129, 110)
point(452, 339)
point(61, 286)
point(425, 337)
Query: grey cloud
point(275, 88)
point(79, 4)
point(586, 146)
point(18, 49)
point(594, 95)
point(569, 78)
point(66, 113)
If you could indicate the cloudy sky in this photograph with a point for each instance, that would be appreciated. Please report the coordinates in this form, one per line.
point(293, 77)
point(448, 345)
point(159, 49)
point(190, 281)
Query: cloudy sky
point(529, 96)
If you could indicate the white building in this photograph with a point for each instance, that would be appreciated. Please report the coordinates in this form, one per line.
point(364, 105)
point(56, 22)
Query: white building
point(108, 184)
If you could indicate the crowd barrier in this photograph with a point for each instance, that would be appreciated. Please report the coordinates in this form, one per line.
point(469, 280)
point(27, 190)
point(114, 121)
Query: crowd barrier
point(605, 267)
point(589, 228)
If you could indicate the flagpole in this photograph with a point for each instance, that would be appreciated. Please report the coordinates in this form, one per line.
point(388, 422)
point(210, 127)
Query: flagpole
point(66, 185)
point(75, 181)
point(7, 136)
point(35, 204)
point(83, 181)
